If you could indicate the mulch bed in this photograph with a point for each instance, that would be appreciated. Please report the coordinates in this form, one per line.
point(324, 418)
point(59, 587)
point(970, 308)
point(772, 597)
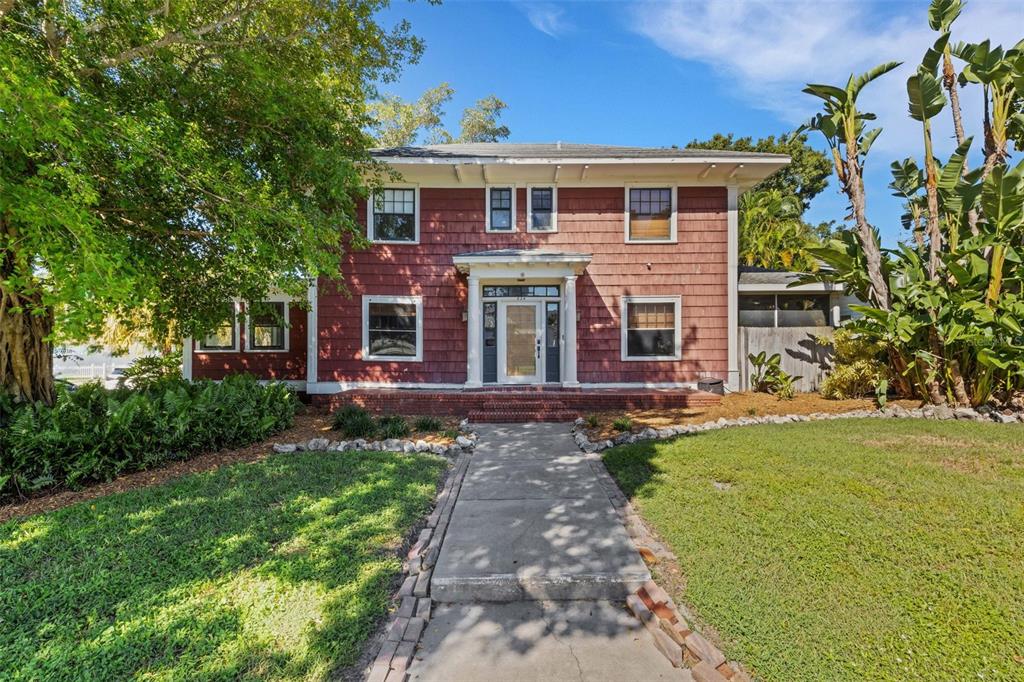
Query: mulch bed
point(733, 406)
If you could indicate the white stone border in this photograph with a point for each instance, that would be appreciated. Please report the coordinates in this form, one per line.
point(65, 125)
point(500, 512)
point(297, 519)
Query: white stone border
point(938, 412)
point(465, 441)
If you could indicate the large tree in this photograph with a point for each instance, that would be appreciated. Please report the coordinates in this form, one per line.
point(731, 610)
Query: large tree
point(773, 233)
point(158, 158)
point(398, 123)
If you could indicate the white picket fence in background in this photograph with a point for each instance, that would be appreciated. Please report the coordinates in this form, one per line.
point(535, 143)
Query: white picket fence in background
point(107, 372)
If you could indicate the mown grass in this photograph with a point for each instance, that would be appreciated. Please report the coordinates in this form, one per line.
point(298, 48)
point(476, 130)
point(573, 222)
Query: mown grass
point(277, 569)
point(847, 550)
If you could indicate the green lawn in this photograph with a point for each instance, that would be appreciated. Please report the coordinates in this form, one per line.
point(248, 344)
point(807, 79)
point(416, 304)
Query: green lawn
point(847, 550)
point(276, 569)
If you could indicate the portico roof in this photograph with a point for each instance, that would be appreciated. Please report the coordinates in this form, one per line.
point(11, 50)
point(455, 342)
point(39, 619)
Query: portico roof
point(530, 258)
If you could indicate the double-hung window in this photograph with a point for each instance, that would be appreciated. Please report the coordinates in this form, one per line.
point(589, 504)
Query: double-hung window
point(224, 336)
point(268, 326)
point(501, 209)
point(542, 209)
point(393, 328)
point(650, 214)
point(394, 215)
point(651, 328)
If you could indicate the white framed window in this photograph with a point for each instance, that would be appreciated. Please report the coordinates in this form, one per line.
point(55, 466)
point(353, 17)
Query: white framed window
point(500, 208)
point(541, 208)
point(224, 337)
point(393, 215)
point(651, 328)
point(267, 325)
point(393, 328)
point(651, 215)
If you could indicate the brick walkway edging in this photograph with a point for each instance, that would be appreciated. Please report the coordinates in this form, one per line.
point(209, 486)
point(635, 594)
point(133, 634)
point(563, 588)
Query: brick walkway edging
point(668, 624)
point(406, 625)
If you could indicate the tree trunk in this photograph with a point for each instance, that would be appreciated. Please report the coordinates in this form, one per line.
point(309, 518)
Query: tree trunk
point(949, 81)
point(854, 188)
point(26, 355)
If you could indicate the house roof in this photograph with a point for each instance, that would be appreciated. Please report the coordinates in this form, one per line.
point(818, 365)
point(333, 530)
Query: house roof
point(518, 151)
point(754, 280)
point(515, 258)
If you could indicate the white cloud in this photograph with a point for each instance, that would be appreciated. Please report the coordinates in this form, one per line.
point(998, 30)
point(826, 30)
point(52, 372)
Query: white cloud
point(770, 49)
point(547, 18)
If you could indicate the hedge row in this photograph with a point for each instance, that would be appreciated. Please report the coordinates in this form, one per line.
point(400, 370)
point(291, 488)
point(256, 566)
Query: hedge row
point(95, 434)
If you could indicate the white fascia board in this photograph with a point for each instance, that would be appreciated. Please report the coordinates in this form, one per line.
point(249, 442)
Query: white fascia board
point(541, 161)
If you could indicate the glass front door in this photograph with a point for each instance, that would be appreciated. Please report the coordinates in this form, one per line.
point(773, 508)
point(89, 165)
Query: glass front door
point(520, 339)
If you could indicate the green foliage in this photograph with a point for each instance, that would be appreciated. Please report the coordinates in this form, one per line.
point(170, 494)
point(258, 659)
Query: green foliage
point(428, 424)
point(95, 434)
point(769, 377)
point(593, 421)
point(166, 157)
point(280, 569)
point(392, 426)
point(397, 123)
point(850, 533)
point(354, 422)
point(773, 233)
point(622, 423)
point(150, 370)
point(858, 366)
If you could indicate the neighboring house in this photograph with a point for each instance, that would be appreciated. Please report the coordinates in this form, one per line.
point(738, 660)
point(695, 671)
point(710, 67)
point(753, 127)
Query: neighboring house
point(777, 315)
point(494, 265)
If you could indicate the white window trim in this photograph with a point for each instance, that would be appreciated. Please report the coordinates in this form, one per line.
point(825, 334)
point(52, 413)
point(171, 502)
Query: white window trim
point(624, 324)
point(487, 208)
point(238, 328)
point(278, 298)
point(370, 202)
point(673, 221)
point(418, 301)
point(554, 207)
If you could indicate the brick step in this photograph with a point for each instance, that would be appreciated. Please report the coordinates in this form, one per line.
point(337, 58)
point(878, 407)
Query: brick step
point(512, 415)
point(519, 403)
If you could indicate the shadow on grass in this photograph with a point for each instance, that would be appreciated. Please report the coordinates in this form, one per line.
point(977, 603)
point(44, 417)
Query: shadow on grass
point(277, 569)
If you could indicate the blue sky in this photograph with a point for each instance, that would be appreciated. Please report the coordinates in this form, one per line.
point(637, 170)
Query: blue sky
point(665, 73)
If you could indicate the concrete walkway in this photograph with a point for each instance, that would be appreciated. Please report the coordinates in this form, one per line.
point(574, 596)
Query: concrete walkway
point(534, 570)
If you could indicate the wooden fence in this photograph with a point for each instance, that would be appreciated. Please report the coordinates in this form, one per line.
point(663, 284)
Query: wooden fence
point(801, 354)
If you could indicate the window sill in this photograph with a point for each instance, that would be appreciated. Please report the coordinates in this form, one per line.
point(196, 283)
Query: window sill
point(398, 241)
point(653, 358)
point(652, 241)
point(392, 358)
point(215, 350)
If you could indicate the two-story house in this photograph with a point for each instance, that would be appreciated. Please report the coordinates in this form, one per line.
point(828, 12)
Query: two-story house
point(583, 268)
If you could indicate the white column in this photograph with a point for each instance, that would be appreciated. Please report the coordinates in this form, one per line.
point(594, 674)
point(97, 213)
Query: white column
point(186, 358)
point(312, 338)
point(569, 317)
point(474, 336)
point(732, 268)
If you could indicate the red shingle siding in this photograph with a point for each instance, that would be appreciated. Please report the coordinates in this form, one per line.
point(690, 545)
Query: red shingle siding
point(589, 220)
point(290, 364)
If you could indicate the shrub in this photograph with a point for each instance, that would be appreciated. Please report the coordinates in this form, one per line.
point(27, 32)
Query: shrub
point(94, 434)
point(858, 367)
point(622, 424)
point(354, 422)
point(428, 424)
point(769, 377)
point(593, 421)
point(145, 373)
point(392, 426)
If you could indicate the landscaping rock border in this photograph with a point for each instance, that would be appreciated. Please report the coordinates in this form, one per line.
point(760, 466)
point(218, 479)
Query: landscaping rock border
point(464, 441)
point(938, 412)
point(407, 623)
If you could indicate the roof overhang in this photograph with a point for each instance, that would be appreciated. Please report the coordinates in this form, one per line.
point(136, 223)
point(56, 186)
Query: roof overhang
point(782, 288)
point(744, 171)
point(521, 263)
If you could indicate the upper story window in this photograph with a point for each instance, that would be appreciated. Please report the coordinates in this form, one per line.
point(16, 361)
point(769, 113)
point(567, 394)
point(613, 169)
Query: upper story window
point(650, 214)
point(393, 328)
point(268, 326)
point(501, 209)
point(394, 215)
point(223, 337)
point(542, 209)
point(650, 328)
point(784, 310)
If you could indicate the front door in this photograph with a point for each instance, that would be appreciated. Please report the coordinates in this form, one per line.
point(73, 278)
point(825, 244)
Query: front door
point(520, 342)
